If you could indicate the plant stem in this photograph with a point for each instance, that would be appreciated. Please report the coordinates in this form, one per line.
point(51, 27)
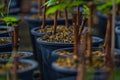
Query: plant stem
point(76, 30)
point(66, 18)
point(81, 68)
point(118, 9)
point(55, 23)
point(15, 46)
point(44, 16)
point(78, 15)
point(84, 20)
point(108, 56)
point(90, 24)
point(60, 14)
point(39, 8)
point(15, 50)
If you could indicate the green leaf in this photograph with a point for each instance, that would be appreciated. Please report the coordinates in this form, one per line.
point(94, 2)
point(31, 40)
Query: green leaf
point(55, 8)
point(1, 6)
point(10, 19)
point(117, 1)
point(86, 11)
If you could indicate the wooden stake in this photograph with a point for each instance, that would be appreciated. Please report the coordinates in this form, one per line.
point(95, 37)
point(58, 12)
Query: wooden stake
point(44, 16)
point(66, 18)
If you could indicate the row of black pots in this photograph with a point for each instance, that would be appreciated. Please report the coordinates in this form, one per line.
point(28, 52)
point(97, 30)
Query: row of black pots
point(99, 74)
point(37, 22)
point(6, 46)
point(25, 74)
point(46, 48)
point(43, 49)
point(6, 31)
point(34, 23)
point(6, 50)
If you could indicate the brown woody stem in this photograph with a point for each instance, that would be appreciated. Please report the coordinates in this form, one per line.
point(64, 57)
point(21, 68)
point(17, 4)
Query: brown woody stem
point(78, 15)
point(55, 23)
point(44, 16)
point(84, 20)
point(108, 55)
point(66, 18)
point(15, 40)
point(15, 50)
point(108, 41)
point(59, 14)
point(91, 6)
point(39, 7)
point(76, 30)
point(81, 68)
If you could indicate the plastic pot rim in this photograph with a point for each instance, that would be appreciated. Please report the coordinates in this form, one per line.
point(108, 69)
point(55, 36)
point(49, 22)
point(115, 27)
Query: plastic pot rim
point(33, 65)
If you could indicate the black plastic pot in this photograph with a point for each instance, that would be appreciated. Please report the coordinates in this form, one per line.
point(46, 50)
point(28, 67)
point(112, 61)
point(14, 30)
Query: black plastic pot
point(46, 48)
point(14, 11)
point(8, 30)
point(37, 22)
point(99, 74)
point(26, 74)
point(15, 3)
point(117, 31)
point(55, 55)
point(6, 47)
point(34, 36)
point(29, 55)
point(117, 58)
point(99, 29)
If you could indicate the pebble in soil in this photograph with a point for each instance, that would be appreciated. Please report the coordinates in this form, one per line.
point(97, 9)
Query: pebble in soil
point(9, 66)
point(5, 41)
point(7, 56)
point(63, 34)
point(72, 61)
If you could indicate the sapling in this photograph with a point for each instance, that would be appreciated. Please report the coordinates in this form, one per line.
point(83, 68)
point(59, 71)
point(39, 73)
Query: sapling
point(108, 37)
point(12, 21)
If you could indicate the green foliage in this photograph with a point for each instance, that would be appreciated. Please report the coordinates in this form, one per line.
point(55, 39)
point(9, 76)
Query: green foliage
point(58, 5)
point(51, 2)
point(117, 1)
point(106, 7)
point(86, 11)
point(10, 20)
point(1, 6)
